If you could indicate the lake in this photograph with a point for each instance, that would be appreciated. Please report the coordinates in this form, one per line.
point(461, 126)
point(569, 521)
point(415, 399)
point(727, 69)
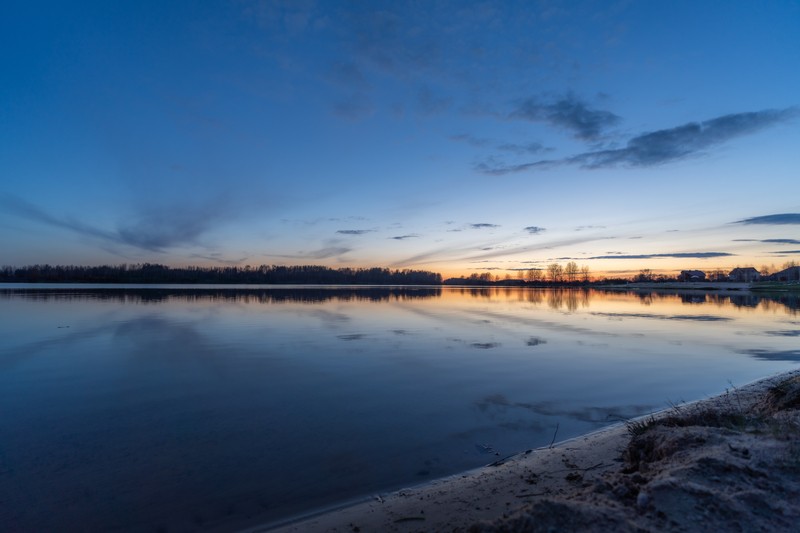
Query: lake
point(169, 408)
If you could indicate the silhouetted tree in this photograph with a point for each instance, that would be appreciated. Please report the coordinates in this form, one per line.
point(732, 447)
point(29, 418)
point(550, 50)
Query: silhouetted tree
point(585, 274)
point(571, 271)
point(555, 272)
point(534, 275)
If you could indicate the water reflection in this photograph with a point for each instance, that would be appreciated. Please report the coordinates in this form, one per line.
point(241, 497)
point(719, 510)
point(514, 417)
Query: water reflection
point(227, 294)
point(784, 333)
point(497, 406)
point(218, 405)
point(773, 355)
point(745, 299)
point(560, 299)
point(696, 318)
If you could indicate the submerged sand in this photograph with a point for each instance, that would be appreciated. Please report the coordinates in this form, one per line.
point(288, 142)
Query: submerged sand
point(729, 463)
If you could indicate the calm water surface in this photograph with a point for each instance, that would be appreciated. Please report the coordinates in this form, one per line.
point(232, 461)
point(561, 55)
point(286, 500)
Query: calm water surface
point(175, 409)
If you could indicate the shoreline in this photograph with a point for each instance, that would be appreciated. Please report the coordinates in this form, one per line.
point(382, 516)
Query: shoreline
point(586, 477)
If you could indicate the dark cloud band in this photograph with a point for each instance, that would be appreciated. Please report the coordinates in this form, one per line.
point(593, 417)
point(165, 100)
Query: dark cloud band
point(665, 146)
point(354, 231)
point(567, 112)
point(782, 218)
point(484, 225)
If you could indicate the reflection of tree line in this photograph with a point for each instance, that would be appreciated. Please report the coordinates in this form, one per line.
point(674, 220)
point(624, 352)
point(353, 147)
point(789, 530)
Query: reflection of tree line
point(238, 295)
point(767, 302)
point(555, 298)
point(572, 299)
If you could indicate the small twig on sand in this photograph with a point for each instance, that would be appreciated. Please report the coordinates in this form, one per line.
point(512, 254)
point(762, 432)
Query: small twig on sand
point(554, 436)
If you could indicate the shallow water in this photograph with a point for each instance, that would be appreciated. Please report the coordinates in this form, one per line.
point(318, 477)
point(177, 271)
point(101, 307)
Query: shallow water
point(175, 409)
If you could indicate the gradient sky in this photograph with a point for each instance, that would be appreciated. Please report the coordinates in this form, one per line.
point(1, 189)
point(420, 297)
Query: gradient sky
point(449, 136)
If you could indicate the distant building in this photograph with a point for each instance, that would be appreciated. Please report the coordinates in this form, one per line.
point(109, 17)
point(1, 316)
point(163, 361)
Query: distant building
point(790, 274)
point(692, 275)
point(746, 275)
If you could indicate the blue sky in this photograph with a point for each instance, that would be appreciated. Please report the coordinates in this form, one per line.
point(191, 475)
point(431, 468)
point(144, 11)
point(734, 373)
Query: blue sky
point(450, 136)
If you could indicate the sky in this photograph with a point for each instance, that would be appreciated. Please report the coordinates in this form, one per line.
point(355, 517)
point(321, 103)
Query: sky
point(457, 137)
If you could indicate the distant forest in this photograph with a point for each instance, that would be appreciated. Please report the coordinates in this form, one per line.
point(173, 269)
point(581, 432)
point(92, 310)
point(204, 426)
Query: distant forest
point(149, 273)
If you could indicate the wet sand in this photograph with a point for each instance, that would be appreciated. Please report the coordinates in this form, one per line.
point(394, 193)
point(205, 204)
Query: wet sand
point(731, 462)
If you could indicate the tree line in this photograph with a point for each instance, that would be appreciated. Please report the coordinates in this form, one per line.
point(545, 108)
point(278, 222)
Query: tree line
point(554, 273)
point(264, 274)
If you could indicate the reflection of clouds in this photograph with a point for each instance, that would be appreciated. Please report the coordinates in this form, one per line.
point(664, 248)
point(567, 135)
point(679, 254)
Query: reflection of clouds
point(773, 355)
point(154, 336)
point(329, 318)
point(485, 345)
point(155, 329)
point(496, 405)
point(697, 318)
point(65, 338)
point(784, 333)
point(351, 337)
point(548, 324)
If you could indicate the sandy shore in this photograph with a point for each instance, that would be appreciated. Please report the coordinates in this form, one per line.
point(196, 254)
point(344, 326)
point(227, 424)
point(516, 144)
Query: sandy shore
point(728, 463)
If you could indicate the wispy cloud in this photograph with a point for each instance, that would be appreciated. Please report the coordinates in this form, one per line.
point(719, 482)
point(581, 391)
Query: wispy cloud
point(567, 112)
point(620, 255)
point(403, 237)
point(515, 148)
point(786, 252)
point(166, 227)
point(483, 225)
point(781, 241)
point(682, 255)
point(534, 230)
point(665, 146)
point(529, 148)
point(354, 231)
point(583, 228)
point(155, 229)
point(218, 258)
point(782, 218)
point(321, 253)
point(22, 208)
point(516, 250)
